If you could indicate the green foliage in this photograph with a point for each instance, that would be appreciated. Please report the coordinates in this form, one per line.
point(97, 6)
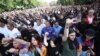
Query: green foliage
point(72, 2)
point(66, 2)
point(80, 1)
point(8, 5)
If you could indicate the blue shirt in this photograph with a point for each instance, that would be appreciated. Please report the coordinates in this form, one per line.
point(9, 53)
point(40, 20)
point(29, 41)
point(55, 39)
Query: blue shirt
point(57, 30)
point(50, 30)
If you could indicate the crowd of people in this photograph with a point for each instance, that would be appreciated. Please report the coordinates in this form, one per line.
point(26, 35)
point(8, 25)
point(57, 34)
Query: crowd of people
point(58, 31)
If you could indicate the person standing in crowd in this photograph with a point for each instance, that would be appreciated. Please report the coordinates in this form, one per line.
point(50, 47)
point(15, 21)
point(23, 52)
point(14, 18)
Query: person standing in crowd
point(81, 26)
point(87, 43)
point(79, 13)
point(52, 20)
point(20, 48)
point(39, 26)
point(57, 28)
point(89, 19)
point(32, 31)
point(13, 31)
point(3, 27)
point(5, 47)
point(61, 21)
point(52, 48)
point(48, 29)
point(25, 35)
point(35, 47)
point(87, 22)
point(70, 43)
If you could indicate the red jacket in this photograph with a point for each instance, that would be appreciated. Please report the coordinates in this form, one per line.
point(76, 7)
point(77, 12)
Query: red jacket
point(87, 21)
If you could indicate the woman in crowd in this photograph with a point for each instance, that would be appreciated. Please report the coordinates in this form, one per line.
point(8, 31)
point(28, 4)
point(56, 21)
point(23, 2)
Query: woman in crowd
point(52, 48)
point(70, 43)
point(37, 48)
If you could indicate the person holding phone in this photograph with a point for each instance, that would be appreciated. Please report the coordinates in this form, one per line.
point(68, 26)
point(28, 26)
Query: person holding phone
point(70, 43)
point(87, 43)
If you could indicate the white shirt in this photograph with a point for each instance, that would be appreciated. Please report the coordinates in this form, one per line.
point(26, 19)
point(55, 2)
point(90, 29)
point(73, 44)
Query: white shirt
point(39, 28)
point(43, 22)
point(90, 20)
point(14, 33)
point(4, 31)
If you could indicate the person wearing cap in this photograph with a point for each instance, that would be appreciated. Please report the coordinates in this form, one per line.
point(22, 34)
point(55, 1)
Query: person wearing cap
point(87, 42)
point(3, 27)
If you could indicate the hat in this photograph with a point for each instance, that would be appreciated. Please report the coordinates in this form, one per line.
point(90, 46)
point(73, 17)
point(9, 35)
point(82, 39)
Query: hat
point(3, 20)
point(90, 32)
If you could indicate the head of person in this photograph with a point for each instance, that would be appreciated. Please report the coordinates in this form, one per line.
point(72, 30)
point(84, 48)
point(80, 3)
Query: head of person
point(72, 34)
point(48, 24)
point(51, 16)
point(2, 22)
point(38, 21)
point(52, 43)
point(21, 28)
point(30, 27)
point(61, 16)
point(34, 42)
point(72, 40)
point(89, 33)
point(10, 26)
point(56, 23)
point(91, 12)
point(18, 42)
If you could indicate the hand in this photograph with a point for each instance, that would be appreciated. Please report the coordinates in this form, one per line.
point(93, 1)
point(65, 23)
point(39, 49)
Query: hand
point(91, 52)
point(24, 50)
point(46, 33)
point(69, 21)
point(12, 50)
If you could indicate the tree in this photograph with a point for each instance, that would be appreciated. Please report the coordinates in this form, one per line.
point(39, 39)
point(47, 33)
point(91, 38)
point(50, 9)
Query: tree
point(8, 5)
point(66, 2)
point(76, 2)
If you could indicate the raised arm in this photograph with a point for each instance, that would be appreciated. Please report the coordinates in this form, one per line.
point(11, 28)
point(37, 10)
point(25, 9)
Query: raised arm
point(45, 39)
point(66, 29)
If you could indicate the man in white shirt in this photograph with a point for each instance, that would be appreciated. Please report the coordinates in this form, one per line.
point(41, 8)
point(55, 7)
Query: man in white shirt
point(13, 32)
point(3, 27)
point(39, 26)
